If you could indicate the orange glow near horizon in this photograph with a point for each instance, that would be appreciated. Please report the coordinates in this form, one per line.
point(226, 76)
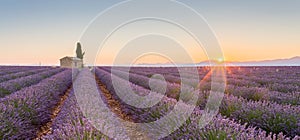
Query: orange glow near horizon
point(54, 60)
point(48, 55)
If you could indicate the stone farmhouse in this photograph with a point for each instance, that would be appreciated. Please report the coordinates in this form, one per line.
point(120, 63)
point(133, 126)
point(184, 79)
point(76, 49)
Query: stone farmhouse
point(71, 62)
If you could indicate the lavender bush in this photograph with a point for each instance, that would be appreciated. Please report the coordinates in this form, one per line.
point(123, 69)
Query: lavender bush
point(219, 128)
point(20, 74)
point(266, 115)
point(14, 69)
point(10, 86)
point(260, 103)
point(234, 107)
point(23, 112)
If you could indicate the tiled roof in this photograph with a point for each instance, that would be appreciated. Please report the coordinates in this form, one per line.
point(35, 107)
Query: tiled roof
point(73, 58)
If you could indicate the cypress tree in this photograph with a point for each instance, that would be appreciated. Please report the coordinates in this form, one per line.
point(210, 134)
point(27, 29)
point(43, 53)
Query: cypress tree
point(79, 53)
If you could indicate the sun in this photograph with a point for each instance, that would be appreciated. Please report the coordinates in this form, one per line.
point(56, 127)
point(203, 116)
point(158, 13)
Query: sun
point(220, 60)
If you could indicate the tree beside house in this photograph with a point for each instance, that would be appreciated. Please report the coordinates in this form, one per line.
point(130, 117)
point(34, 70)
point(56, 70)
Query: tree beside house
point(73, 62)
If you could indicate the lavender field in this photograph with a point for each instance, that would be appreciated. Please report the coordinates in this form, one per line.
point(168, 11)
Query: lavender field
point(40, 102)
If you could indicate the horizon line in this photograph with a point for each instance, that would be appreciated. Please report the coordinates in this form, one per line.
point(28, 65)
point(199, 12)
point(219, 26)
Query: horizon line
point(204, 63)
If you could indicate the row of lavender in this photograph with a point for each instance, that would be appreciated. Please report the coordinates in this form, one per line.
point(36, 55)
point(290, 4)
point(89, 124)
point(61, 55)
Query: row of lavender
point(267, 115)
point(23, 112)
point(219, 128)
point(13, 69)
point(11, 76)
point(70, 123)
point(35, 103)
point(24, 80)
point(241, 88)
point(251, 93)
point(282, 79)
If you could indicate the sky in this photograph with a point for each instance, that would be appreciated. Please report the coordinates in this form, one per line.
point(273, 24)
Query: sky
point(36, 32)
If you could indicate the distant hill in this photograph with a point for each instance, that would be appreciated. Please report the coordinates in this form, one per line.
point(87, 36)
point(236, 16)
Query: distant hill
point(295, 61)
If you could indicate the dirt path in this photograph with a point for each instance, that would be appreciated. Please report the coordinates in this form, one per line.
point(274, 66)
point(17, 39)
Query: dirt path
point(46, 128)
point(132, 130)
